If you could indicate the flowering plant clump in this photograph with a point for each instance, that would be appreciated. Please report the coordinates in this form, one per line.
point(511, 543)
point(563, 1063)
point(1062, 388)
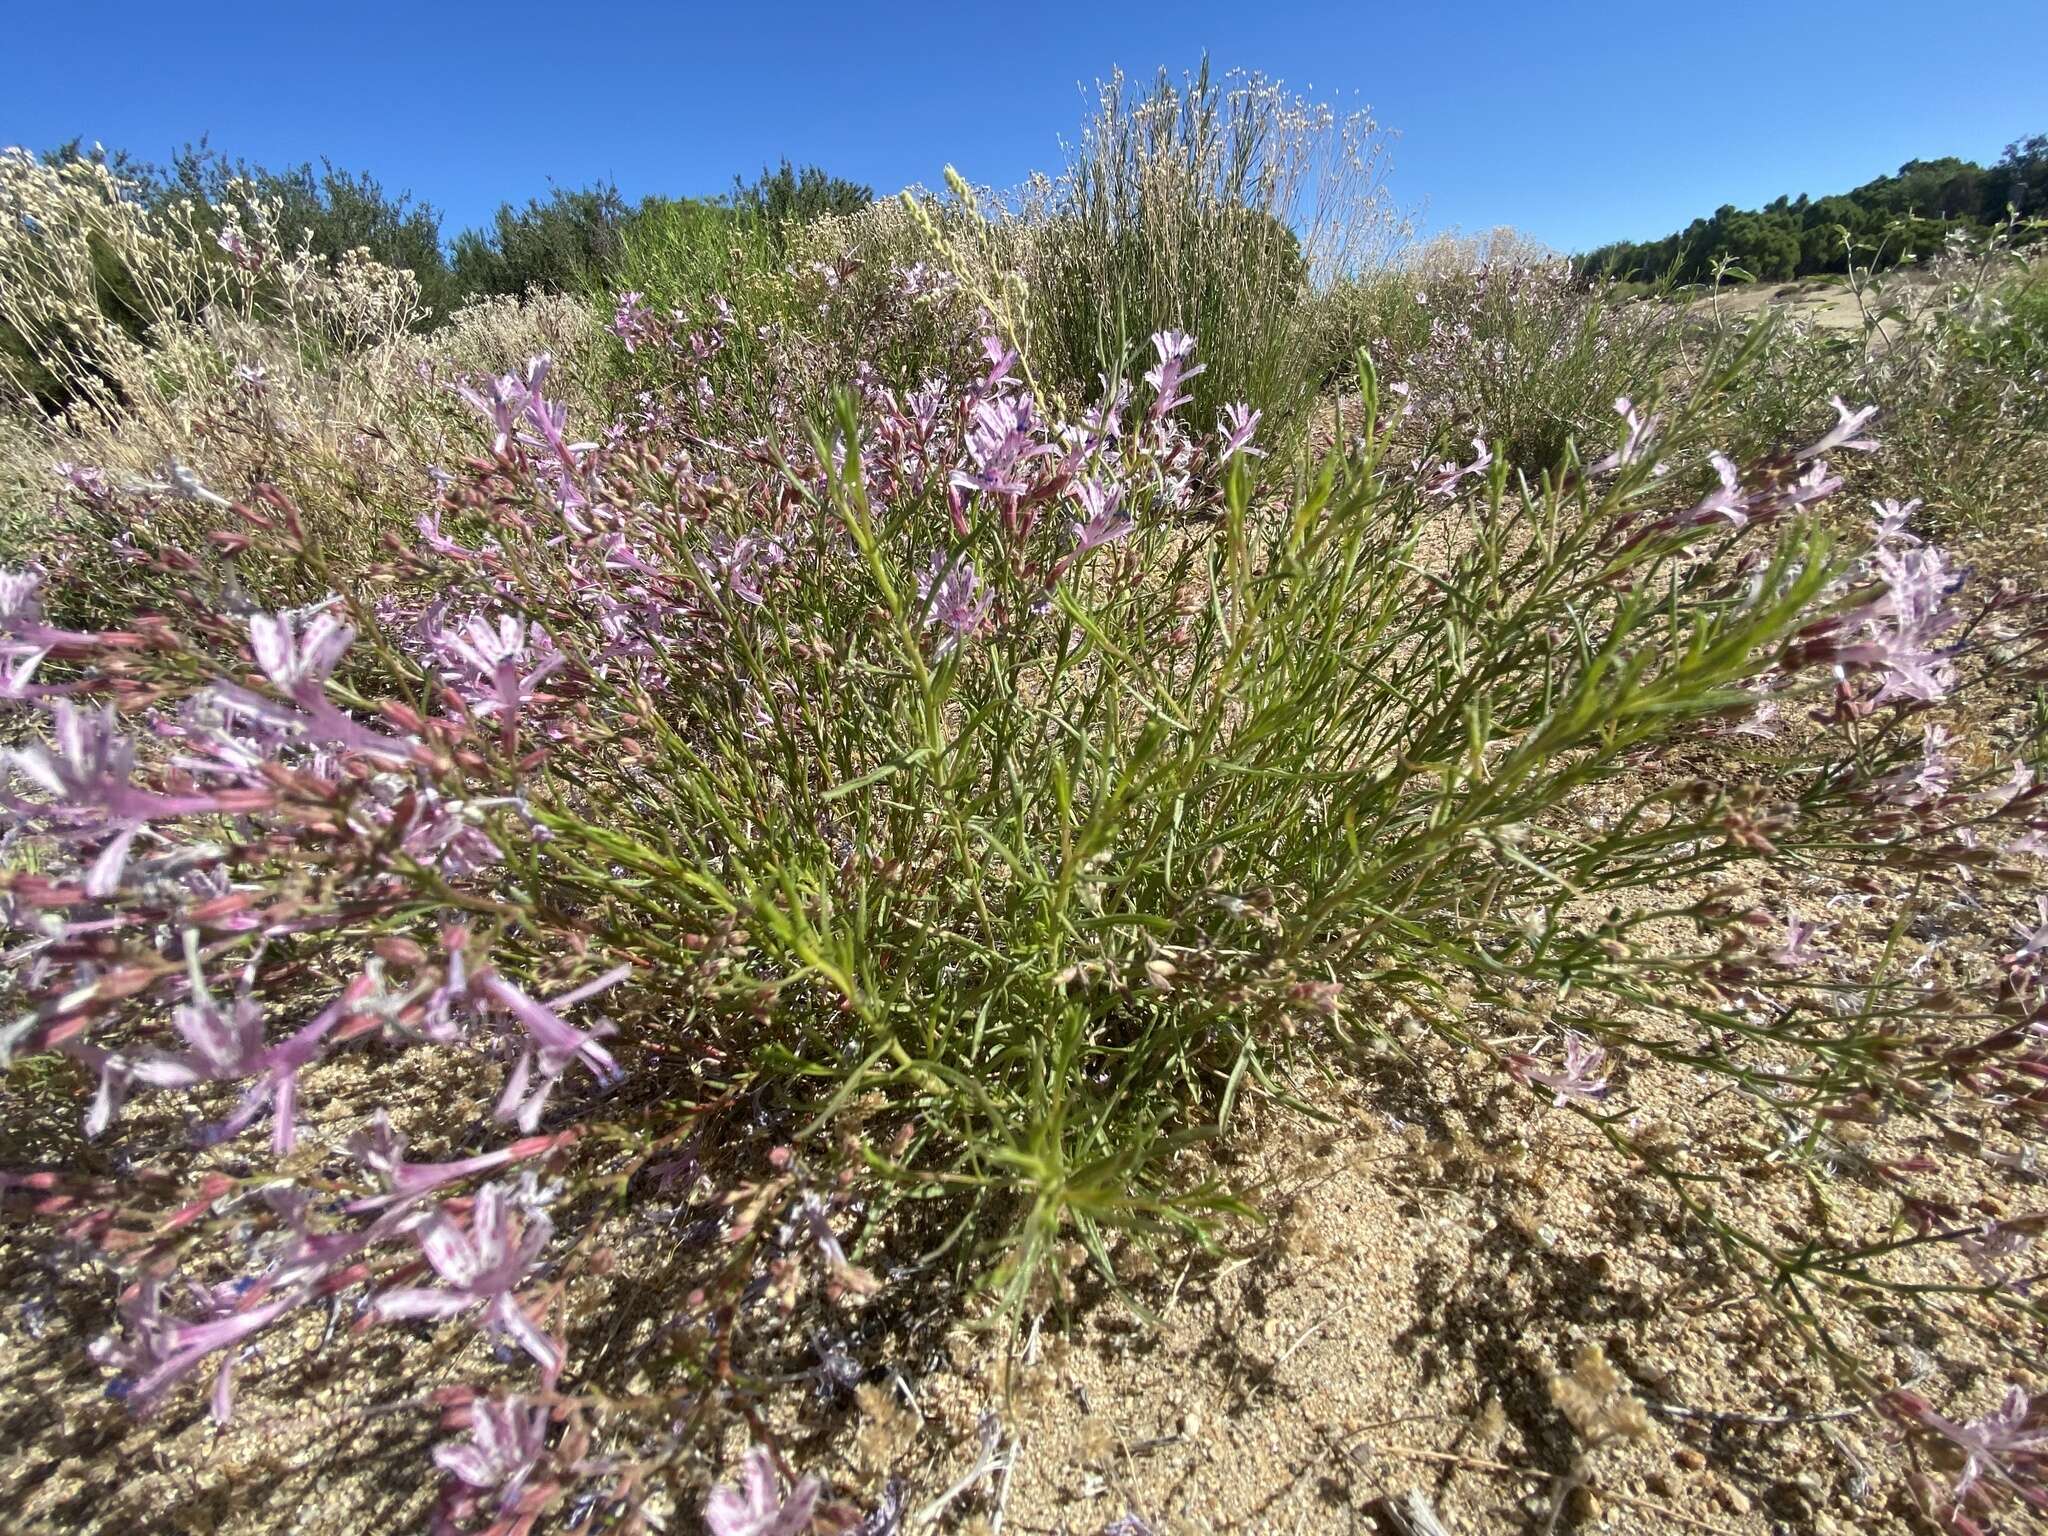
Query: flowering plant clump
point(780, 831)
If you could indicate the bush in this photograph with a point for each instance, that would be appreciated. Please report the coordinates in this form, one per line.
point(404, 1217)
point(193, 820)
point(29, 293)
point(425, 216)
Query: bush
point(564, 245)
point(1956, 358)
point(787, 196)
point(332, 212)
point(197, 356)
point(839, 301)
point(1217, 207)
point(1505, 345)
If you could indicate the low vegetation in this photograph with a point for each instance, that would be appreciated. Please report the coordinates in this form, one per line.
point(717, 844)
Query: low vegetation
point(611, 840)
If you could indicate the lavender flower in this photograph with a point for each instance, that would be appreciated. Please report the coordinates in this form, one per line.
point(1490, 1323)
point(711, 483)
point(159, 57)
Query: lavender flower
point(154, 1352)
point(506, 1441)
point(1635, 445)
point(497, 665)
point(381, 1149)
point(1904, 624)
point(1795, 951)
point(224, 1047)
point(1843, 433)
point(953, 600)
point(298, 663)
point(2033, 941)
point(1107, 521)
point(755, 1507)
point(516, 407)
point(1167, 376)
point(1446, 479)
point(1726, 503)
point(1579, 1082)
point(552, 1043)
point(86, 772)
point(1103, 421)
point(741, 565)
point(1992, 1250)
point(1236, 425)
point(1889, 526)
point(631, 320)
point(1992, 1445)
point(1002, 438)
point(1927, 779)
point(479, 1268)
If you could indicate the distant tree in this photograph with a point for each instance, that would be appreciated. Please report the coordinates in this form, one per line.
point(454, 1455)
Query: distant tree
point(1892, 218)
point(563, 244)
point(2020, 179)
point(788, 195)
point(141, 178)
point(336, 211)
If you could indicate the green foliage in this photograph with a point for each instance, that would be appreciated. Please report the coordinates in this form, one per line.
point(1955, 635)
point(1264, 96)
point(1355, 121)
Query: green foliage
point(333, 210)
point(1519, 353)
point(787, 195)
point(562, 245)
point(1896, 218)
point(1211, 206)
point(1956, 366)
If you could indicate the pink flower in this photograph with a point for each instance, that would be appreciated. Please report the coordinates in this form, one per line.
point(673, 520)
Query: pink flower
point(552, 1043)
point(155, 1352)
point(497, 665)
point(382, 1149)
point(506, 1441)
point(1904, 624)
point(631, 320)
point(1843, 433)
point(1107, 521)
point(1796, 950)
point(2005, 1444)
point(953, 600)
point(1002, 439)
point(2033, 941)
point(295, 660)
point(86, 772)
point(756, 1507)
point(1446, 479)
point(1578, 1082)
point(298, 662)
point(1174, 349)
point(1642, 432)
point(1236, 426)
point(1726, 503)
point(1889, 526)
point(1916, 783)
point(480, 1267)
point(225, 1046)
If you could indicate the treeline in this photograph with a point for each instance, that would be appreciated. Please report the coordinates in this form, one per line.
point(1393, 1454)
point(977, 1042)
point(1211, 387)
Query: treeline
point(563, 242)
point(1891, 219)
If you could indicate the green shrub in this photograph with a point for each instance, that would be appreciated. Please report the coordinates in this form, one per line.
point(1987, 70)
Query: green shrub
point(1213, 207)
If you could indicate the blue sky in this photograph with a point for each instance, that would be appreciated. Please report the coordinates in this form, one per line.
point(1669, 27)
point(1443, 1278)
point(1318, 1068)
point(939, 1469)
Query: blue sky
point(1576, 123)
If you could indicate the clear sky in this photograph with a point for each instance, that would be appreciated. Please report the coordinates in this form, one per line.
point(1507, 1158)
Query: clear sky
point(1575, 122)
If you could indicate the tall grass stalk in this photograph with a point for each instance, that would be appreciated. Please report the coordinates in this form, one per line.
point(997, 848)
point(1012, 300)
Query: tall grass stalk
point(1216, 206)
